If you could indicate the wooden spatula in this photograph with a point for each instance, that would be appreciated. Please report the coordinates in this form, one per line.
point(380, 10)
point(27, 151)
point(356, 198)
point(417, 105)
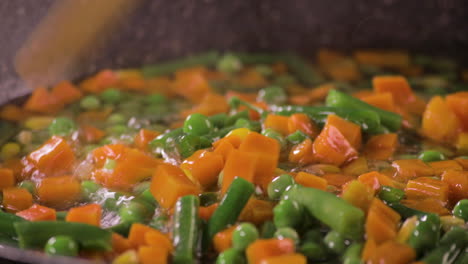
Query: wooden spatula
point(59, 45)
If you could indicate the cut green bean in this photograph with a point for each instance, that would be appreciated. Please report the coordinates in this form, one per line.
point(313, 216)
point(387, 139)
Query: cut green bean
point(352, 255)
point(391, 194)
point(451, 245)
point(61, 246)
point(431, 155)
point(7, 224)
point(461, 209)
point(185, 231)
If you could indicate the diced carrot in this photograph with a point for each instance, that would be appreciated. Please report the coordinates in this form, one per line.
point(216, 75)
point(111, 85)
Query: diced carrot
point(462, 143)
point(337, 179)
point(251, 78)
point(235, 137)
point(369, 249)
point(87, 214)
point(137, 233)
point(392, 252)
point(92, 134)
point(131, 80)
point(54, 157)
point(161, 85)
point(337, 142)
point(66, 92)
point(144, 137)
point(320, 92)
point(458, 102)
point(41, 101)
point(439, 122)
point(16, 199)
point(205, 212)
point(375, 180)
point(17, 167)
point(7, 178)
point(429, 205)
point(302, 122)
point(444, 165)
point(391, 59)
point(411, 168)
point(457, 182)
point(59, 192)
point(94, 116)
point(278, 123)
point(398, 86)
point(356, 167)
point(263, 249)
point(204, 168)
point(381, 222)
point(210, 104)
point(267, 151)
point(257, 211)
point(463, 162)
point(381, 147)
point(358, 194)
point(328, 56)
point(223, 148)
point(406, 229)
point(279, 68)
point(343, 70)
point(310, 180)
point(223, 239)
point(120, 244)
point(427, 187)
point(238, 164)
point(154, 237)
point(295, 258)
point(191, 84)
point(100, 82)
point(38, 213)
point(153, 255)
point(383, 100)
point(14, 113)
point(302, 153)
point(169, 183)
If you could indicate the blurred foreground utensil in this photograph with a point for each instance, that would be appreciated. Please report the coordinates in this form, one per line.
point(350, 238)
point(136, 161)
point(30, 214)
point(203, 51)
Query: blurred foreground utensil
point(62, 42)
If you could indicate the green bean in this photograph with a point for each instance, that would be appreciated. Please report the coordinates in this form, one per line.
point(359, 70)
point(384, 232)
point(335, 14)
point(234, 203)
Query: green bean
point(268, 230)
point(425, 235)
point(203, 59)
point(61, 215)
point(431, 155)
point(288, 213)
point(462, 258)
point(6, 223)
point(287, 232)
point(352, 254)
point(296, 137)
point(147, 197)
point(231, 120)
point(249, 124)
point(230, 256)
point(278, 185)
point(451, 245)
point(461, 209)
point(329, 209)
point(314, 251)
point(244, 235)
point(339, 99)
point(187, 145)
point(121, 228)
point(162, 140)
point(391, 194)
point(302, 70)
point(208, 198)
point(335, 242)
point(275, 135)
point(28, 185)
point(36, 234)
point(61, 246)
point(229, 63)
point(218, 120)
point(272, 95)
point(229, 208)
point(185, 230)
point(133, 212)
point(111, 96)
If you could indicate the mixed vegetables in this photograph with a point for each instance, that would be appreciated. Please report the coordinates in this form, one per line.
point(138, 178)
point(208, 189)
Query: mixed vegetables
point(244, 158)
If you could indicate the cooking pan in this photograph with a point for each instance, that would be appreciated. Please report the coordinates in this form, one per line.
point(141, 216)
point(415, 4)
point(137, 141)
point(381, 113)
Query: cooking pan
point(166, 29)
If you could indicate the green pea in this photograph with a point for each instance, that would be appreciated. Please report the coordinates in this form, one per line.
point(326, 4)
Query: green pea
point(251, 125)
point(62, 126)
point(314, 251)
point(61, 215)
point(197, 124)
point(156, 99)
point(297, 137)
point(230, 256)
point(116, 119)
point(264, 70)
point(431, 155)
point(188, 144)
point(335, 242)
point(90, 102)
point(288, 213)
point(111, 96)
point(287, 232)
point(111, 204)
point(28, 185)
point(109, 164)
point(271, 133)
point(461, 209)
point(272, 95)
point(229, 64)
point(278, 185)
point(243, 235)
point(89, 188)
point(61, 246)
point(133, 212)
point(117, 129)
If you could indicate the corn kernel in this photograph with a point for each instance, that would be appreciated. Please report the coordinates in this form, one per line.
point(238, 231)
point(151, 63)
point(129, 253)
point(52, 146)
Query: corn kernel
point(10, 150)
point(240, 132)
point(128, 257)
point(38, 122)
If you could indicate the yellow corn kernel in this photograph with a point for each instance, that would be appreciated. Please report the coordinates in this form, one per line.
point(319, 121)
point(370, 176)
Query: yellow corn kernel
point(10, 150)
point(240, 132)
point(128, 257)
point(406, 229)
point(356, 167)
point(38, 122)
point(449, 221)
